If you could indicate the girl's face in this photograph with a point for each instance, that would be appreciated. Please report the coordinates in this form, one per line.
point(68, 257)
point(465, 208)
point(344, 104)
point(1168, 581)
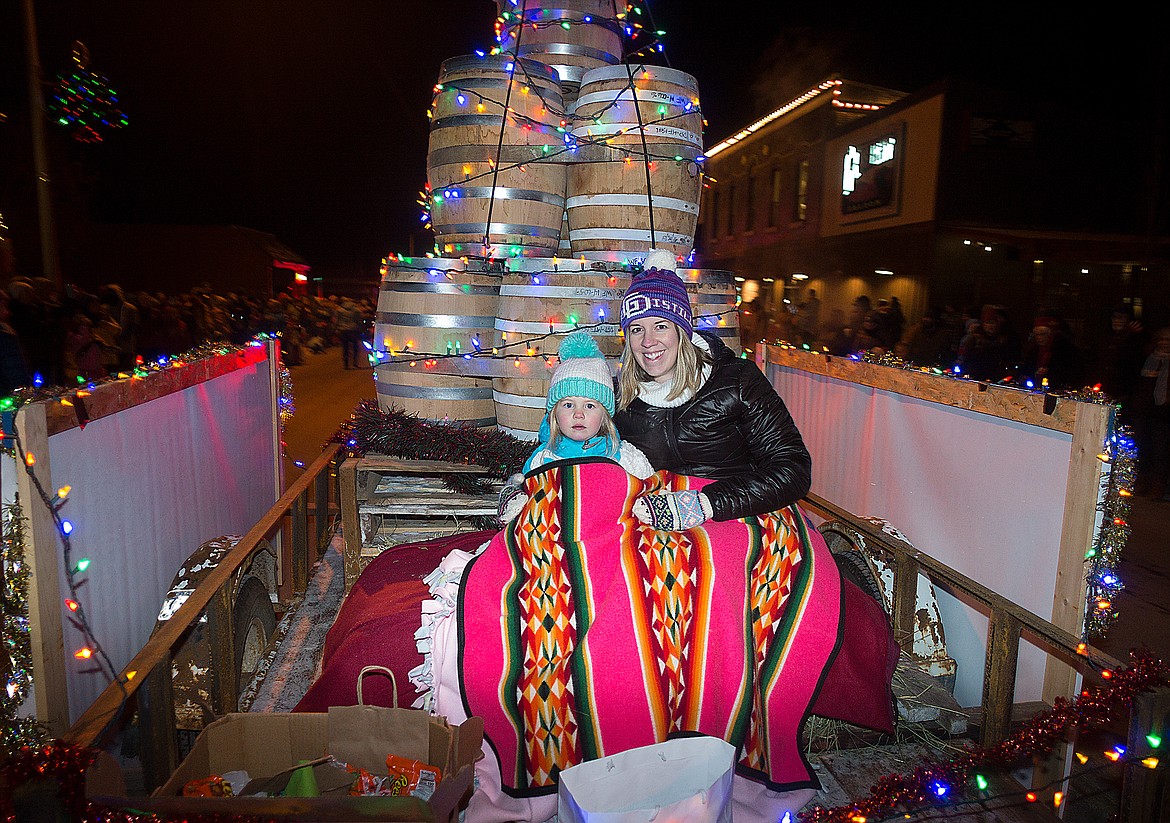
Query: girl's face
point(579, 418)
point(653, 342)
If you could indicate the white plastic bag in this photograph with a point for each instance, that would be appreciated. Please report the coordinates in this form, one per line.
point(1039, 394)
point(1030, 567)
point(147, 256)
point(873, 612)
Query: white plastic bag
point(684, 780)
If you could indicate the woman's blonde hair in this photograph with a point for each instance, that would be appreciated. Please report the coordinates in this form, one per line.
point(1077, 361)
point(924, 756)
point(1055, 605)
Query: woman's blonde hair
point(688, 371)
point(606, 429)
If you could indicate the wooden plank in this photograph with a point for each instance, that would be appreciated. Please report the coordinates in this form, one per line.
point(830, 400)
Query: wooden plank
point(999, 676)
point(347, 477)
point(905, 600)
point(1076, 538)
point(44, 589)
point(300, 542)
point(156, 721)
point(1033, 408)
point(395, 465)
point(222, 646)
point(456, 504)
point(91, 723)
point(321, 511)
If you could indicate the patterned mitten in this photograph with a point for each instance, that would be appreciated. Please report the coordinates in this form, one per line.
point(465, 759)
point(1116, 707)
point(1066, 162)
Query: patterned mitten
point(673, 511)
point(512, 499)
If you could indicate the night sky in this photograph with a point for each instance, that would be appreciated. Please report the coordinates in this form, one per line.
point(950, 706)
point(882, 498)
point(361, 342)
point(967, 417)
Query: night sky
point(308, 120)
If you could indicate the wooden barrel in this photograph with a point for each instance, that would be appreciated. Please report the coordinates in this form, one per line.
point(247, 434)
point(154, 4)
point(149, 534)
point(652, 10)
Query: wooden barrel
point(427, 308)
point(480, 187)
point(534, 304)
point(715, 303)
point(608, 202)
point(593, 36)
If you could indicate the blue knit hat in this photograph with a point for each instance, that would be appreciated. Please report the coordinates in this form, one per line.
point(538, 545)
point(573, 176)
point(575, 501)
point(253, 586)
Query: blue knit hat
point(582, 373)
point(657, 292)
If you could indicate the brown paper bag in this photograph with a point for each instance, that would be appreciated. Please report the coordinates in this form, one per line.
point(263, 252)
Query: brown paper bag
point(362, 736)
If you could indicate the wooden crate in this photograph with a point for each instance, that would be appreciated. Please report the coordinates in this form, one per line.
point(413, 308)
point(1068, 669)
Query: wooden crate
point(386, 501)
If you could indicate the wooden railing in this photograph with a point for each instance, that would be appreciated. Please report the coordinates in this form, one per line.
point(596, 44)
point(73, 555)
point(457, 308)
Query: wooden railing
point(1008, 620)
point(146, 680)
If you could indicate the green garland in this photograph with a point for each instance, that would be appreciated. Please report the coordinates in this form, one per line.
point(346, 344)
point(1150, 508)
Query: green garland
point(16, 670)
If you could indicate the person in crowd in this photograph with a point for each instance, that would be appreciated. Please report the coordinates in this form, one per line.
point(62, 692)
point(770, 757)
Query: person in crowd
point(928, 342)
point(14, 371)
point(1151, 417)
point(1120, 359)
point(808, 316)
point(891, 320)
point(349, 332)
point(83, 351)
point(994, 351)
point(578, 420)
point(1050, 355)
point(871, 337)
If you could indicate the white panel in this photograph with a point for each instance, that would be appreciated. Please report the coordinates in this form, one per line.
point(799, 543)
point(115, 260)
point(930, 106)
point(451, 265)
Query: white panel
point(982, 494)
point(150, 484)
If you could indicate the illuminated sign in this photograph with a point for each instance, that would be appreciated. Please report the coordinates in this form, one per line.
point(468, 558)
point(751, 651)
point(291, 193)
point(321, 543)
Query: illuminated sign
point(870, 174)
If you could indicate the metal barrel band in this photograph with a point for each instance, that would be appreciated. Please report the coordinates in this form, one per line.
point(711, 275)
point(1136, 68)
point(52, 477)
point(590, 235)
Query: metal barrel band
point(586, 292)
point(437, 288)
point(506, 193)
point(671, 203)
point(648, 96)
point(570, 49)
point(497, 62)
point(433, 321)
point(651, 130)
point(629, 234)
point(525, 400)
point(519, 229)
point(433, 392)
point(524, 327)
point(491, 121)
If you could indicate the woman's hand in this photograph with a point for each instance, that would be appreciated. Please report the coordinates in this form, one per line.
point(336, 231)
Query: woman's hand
point(673, 511)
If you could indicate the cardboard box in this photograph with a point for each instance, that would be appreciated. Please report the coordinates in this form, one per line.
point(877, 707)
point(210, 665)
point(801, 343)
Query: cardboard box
point(266, 743)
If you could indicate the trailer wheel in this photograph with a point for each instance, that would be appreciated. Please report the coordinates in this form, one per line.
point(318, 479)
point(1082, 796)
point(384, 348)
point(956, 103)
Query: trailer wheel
point(853, 564)
point(255, 622)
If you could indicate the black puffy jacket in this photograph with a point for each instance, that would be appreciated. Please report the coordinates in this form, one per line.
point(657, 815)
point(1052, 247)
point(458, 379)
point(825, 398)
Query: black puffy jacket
point(736, 430)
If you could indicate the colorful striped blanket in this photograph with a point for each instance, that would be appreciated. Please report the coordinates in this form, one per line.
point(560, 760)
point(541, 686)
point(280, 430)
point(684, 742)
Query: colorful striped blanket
point(583, 632)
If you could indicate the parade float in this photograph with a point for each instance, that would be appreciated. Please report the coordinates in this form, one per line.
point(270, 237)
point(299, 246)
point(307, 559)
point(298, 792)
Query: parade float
point(556, 163)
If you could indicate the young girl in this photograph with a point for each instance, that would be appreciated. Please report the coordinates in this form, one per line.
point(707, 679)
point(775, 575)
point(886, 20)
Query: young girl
point(579, 419)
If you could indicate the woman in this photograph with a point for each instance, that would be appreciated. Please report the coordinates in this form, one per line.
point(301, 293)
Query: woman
point(695, 408)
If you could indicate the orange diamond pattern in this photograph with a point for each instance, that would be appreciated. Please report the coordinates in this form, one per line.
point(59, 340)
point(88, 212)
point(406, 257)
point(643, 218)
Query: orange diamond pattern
point(548, 633)
point(769, 585)
point(668, 582)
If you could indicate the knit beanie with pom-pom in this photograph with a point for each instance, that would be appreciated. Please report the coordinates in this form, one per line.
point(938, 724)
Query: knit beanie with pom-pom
point(582, 372)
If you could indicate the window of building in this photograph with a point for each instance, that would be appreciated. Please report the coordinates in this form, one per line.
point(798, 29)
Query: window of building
point(730, 211)
point(750, 209)
point(713, 217)
point(802, 191)
point(774, 206)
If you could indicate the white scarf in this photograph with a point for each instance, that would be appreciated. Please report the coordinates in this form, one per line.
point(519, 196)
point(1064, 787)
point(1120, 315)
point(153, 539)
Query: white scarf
point(653, 393)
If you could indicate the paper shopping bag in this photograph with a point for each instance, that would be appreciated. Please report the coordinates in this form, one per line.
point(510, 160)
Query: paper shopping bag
point(684, 780)
point(363, 735)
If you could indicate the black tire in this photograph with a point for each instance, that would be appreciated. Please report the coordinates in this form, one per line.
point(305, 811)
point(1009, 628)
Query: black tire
point(854, 567)
point(254, 622)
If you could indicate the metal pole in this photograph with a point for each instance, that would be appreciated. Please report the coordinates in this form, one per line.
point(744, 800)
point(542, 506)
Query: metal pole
point(50, 264)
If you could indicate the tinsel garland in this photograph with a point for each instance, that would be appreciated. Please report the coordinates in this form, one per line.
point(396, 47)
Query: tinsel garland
point(405, 435)
point(930, 785)
point(16, 669)
point(945, 784)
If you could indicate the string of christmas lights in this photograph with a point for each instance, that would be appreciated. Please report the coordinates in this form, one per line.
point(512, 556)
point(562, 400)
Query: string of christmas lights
point(83, 101)
point(945, 784)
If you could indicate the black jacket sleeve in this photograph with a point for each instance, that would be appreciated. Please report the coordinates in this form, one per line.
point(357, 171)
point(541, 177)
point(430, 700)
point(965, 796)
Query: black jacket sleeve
point(780, 471)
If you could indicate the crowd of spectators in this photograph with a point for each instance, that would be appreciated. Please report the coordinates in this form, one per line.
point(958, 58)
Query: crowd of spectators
point(62, 338)
point(1131, 366)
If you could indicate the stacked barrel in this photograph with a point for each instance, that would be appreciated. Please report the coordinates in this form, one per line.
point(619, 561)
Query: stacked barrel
point(553, 168)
